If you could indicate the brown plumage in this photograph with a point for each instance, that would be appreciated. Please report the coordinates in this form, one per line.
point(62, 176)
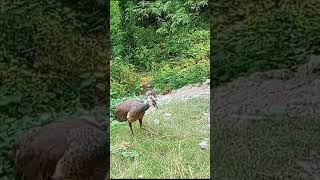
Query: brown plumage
point(133, 110)
point(73, 149)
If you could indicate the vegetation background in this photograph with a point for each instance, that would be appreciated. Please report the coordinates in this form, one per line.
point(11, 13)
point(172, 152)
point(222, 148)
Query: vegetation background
point(52, 60)
point(161, 43)
point(165, 44)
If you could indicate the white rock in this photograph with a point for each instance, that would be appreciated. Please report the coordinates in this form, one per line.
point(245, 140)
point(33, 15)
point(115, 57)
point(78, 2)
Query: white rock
point(196, 96)
point(207, 82)
point(167, 114)
point(204, 144)
point(207, 116)
point(156, 121)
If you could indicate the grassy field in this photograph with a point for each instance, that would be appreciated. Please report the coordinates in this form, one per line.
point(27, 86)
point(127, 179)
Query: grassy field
point(171, 152)
point(265, 149)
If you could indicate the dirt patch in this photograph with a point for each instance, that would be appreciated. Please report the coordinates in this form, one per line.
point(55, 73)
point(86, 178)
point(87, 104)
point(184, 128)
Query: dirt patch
point(200, 90)
point(187, 92)
point(295, 95)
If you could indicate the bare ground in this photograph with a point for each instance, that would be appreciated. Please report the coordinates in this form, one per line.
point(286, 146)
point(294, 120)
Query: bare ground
point(200, 90)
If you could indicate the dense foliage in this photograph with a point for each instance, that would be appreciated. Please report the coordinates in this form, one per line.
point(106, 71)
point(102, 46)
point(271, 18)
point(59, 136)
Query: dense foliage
point(163, 43)
point(249, 36)
point(52, 60)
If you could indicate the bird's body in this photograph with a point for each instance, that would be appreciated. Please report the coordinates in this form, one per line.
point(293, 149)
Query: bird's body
point(69, 149)
point(137, 112)
point(133, 110)
point(122, 109)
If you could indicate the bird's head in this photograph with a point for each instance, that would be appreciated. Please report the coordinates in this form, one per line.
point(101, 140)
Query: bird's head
point(152, 93)
point(152, 101)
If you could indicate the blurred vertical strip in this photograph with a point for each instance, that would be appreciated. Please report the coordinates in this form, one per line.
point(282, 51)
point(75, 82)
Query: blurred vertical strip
point(107, 84)
point(212, 84)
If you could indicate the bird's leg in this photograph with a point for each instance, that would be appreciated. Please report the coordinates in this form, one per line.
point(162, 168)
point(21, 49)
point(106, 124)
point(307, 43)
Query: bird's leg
point(140, 121)
point(130, 127)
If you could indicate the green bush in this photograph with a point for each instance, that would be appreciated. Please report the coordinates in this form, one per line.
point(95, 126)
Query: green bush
point(170, 45)
point(171, 77)
point(124, 79)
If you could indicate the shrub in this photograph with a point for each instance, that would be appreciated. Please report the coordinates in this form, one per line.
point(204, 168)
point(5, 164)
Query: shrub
point(170, 77)
point(124, 79)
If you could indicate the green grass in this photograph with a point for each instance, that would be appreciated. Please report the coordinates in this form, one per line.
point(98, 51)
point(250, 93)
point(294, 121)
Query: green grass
point(172, 152)
point(264, 149)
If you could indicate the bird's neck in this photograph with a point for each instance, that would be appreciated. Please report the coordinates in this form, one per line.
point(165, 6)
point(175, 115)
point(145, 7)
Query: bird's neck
point(147, 105)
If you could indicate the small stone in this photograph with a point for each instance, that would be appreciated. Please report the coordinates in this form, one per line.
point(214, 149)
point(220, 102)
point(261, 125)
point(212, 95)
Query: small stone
point(156, 121)
point(207, 81)
point(196, 96)
point(187, 98)
point(207, 116)
point(167, 114)
point(204, 144)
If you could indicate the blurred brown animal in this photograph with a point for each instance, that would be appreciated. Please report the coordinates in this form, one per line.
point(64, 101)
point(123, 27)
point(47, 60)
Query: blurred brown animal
point(133, 110)
point(73, 149)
